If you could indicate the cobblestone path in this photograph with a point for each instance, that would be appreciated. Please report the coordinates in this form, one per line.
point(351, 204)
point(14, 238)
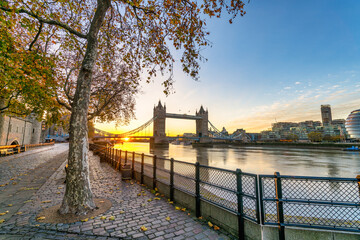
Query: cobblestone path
point(133, 207)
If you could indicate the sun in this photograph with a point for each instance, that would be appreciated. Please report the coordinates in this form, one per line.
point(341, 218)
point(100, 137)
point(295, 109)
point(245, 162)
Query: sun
point(126, 139)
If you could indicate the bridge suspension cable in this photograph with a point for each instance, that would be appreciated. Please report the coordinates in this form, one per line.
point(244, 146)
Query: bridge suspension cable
point(125, 134)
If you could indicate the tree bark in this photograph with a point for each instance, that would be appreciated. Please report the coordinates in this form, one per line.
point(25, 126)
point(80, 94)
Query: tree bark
point(78, 198)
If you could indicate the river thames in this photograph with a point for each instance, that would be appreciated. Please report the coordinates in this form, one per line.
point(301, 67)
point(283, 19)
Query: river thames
point(262, 160)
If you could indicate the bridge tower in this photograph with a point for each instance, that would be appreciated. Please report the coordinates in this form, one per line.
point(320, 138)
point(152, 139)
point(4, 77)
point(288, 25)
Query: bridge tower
point(159, 125)
point(202, 125)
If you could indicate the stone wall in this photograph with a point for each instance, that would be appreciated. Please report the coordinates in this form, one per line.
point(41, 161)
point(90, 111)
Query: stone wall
point(14, 130)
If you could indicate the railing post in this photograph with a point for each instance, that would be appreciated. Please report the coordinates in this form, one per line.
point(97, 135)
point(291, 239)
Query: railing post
point(126, 153)
point(117, 159)
point(120, 155)
point(154, 172)
point(112, 156)
point(261, 196)
point(358, 179)
point(279, 206)
point(197, 190)
point(257, 199)
point(142, 169)
point(133, 166)
point(171, 179)
point(240, 212)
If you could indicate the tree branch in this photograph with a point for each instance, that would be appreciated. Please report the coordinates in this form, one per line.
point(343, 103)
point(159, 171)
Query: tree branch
point(37, 36)
point(47, 21)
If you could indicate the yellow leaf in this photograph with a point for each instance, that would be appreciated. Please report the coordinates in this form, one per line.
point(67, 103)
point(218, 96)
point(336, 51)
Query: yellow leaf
point(210, 224)
point(2, 220)
point(157, 194)
point(92, 217)
point(200, 217)
point(40, 218)
point(183, 209)
point(85, 220)
point(37, 225)
point(10, 205)
point(122, 212)
point(58, 192)
point(139, 194)
point(112, 218)
point(149, 200)
point(3, 213)
point(102, 217)
point(167, 218)
point(171, 202)
point(18, 213)
point(143, 228)
point(156, 198)
point(216, 228)
point(177, 208)
point(60, 187)
point(46, 201)
point(156, 189)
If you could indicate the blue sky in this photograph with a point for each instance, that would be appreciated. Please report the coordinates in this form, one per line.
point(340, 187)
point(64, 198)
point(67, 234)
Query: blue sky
point(281, 61)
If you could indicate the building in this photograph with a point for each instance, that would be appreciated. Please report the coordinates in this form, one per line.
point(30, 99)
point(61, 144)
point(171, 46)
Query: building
point(326, 114)
point(19, 131)
point(352, 124)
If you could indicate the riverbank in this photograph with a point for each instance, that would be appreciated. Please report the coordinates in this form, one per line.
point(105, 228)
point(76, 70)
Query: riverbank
point(333, 146)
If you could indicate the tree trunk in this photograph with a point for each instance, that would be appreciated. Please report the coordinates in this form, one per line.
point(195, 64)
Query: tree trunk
point(78, 198)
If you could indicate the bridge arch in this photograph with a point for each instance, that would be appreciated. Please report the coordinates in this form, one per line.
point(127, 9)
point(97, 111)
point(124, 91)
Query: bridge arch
point(15, 142)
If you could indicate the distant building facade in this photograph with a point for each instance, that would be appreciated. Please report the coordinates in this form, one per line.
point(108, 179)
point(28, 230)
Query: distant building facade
point(353, 124)
point(19, 131)
point(326, 114)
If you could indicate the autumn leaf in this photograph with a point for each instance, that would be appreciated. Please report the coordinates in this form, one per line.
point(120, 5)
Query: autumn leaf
point(18, 213)
point(92, 217)
point(46, 201)
point(177, 208)
point(40, 218)
point(121, 212)
point(149, 200)
point(143, 228)
point(2, 220)
point(167, 218)
point(85, 220)
point(210, 224)
point(200, 217)
point(157, 198)
point(183, 209)
point(216, 228)
point(103, 217)
point(9, 205)
point(112, 218)
point(139, 194)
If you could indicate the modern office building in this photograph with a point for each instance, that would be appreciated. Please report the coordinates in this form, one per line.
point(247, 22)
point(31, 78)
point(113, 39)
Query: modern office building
point(352, 124)
point(326, 114)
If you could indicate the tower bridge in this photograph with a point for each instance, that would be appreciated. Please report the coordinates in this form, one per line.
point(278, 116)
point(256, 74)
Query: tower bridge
point(204, 134)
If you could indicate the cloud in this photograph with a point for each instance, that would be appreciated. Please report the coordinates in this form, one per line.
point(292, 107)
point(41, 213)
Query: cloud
point(297, 83)
point(287, 88)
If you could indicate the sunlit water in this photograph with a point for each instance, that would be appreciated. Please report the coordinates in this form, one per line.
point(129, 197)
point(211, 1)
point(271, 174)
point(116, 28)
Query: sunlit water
point(262, 160)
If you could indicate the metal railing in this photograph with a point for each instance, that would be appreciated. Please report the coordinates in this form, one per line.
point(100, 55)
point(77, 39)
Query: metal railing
point(297, 201)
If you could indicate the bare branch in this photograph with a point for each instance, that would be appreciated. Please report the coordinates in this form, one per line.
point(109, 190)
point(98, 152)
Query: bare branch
point(47, 21)
point(37, 36)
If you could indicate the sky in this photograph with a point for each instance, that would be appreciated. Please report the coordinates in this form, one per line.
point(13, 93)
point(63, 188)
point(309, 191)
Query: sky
point(279, 62)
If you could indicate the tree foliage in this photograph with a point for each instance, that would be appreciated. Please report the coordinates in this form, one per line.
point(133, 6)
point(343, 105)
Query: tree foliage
point(315, 136)
point(26, 81)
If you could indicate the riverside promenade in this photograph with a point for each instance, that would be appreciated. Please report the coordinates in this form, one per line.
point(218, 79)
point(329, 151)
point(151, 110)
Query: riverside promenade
point(34, 180)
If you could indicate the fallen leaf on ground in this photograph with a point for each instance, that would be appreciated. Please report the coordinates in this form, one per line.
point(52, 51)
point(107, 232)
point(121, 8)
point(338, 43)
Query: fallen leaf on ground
point(3, 213)
point(92, 217)
point(112, 218)
point(85, 220)
point(101, 201)
point(40, 218)
point(139, 194)
point(183, 209)
point(188, 214)
point(9, 205)
point(216, 228)
point(200, 217)
point(122, 212)
point(210, 224)
point(46, 201)
point(58, 192)
point(143, 228)
point(156, 198)
point(102, 217)
point(157, 194)
point(2, 220)
point(167, 218)
point(156, 189)
point(149, 200)
point(18, 213)
point(177, 208)
point(28, 201)
point(60, 187)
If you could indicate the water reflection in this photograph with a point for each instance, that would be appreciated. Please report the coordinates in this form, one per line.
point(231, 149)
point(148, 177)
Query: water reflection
point(262, 160)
